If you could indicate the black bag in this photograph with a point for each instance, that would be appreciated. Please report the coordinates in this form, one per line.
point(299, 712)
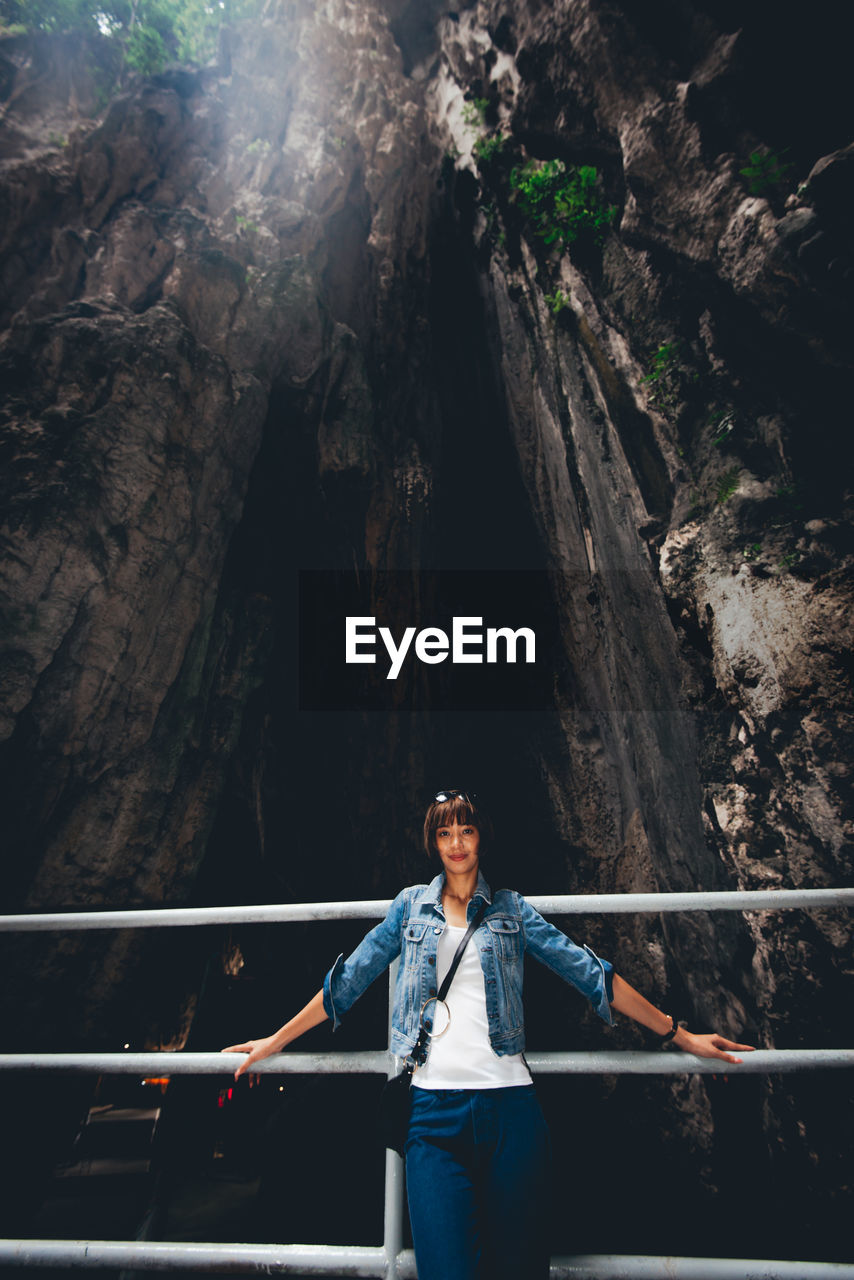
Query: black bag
point(396, 1099)
point(395, 1106)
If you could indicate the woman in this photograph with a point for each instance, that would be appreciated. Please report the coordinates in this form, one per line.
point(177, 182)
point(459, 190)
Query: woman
point(477, 1154)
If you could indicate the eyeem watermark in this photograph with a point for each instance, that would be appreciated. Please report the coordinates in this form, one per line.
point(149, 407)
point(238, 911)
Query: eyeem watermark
point(411, 641)
point(433, 645)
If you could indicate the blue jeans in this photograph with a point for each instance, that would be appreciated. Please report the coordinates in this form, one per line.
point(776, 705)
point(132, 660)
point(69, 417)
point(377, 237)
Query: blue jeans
point(477, 1177)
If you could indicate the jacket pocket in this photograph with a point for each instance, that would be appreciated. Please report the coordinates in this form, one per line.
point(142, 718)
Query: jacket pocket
point(506, 937)
point(413, 941)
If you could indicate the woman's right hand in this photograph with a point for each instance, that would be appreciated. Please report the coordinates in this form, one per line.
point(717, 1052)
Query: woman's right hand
point(309, 1017)
point(256, 1049)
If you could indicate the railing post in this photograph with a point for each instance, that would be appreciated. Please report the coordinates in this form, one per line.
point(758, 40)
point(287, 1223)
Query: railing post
point(393, 1213)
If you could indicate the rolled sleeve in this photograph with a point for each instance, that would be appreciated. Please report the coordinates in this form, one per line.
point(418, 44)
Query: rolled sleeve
point(328, 1002)
point(579, 966)
point(348, 979)
point(609, 979)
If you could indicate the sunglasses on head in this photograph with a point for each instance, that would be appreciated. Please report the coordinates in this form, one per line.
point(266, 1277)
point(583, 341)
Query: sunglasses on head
point(442, 796)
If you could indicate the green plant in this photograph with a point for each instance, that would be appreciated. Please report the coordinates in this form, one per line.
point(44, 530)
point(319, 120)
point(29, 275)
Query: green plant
point(487, 149)
point(727, 484)
point(665, 372)
point(474, 113)
point(790, 559)
point(752, 550)
point(44, 15)
point(557, 301)
point(663, 361)
point(490, 212)
point(722, 422)
point(258, 147)
point(145, 50)
point(244, 223)
point(765, 170)
point(562, 202)
point(146, 33)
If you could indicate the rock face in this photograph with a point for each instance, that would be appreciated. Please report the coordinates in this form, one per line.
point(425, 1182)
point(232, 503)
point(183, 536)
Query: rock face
point(181, 276)
point(663, 393)
point(289, 312)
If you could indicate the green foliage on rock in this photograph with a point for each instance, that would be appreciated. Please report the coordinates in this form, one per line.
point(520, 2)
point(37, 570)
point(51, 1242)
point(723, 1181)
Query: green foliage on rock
point(727, 484)
point(149, 33)
point(665, 375)
point(488, 149)
point(557, 301)
point(45, 15)
point(663, 361)
point(766, 171)
point(562, 202)
point(474, 113)
point(145, 50)
point(722, 422)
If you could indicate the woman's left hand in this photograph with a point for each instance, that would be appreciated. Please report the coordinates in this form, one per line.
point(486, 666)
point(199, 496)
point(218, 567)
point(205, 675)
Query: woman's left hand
point(710, 1046)
point(634, 1005)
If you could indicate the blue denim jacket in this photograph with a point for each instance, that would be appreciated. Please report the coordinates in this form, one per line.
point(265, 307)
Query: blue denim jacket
point(510, 928)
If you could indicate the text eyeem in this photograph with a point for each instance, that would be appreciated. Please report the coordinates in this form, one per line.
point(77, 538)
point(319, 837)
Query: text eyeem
point(432, 645)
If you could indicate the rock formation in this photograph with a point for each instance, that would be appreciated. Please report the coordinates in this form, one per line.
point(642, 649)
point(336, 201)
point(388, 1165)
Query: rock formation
point(289, 312)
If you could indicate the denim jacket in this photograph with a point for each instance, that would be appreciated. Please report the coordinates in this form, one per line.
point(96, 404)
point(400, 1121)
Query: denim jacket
point(510, 928)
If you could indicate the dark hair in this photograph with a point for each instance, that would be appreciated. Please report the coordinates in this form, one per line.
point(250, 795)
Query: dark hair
point(462, 807)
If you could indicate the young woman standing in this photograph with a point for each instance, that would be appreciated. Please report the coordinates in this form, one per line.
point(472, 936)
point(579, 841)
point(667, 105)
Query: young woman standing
point(477, 1152)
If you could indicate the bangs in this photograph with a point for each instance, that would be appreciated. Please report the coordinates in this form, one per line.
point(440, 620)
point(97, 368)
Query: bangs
point(460, 809)
point(457, 809)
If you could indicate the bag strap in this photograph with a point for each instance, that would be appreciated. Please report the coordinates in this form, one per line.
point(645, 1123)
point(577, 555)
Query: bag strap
point(418, 1055)
point(458, 954)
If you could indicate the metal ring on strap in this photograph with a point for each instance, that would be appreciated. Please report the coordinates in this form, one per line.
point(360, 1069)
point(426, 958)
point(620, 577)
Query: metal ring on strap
point(434, 1035)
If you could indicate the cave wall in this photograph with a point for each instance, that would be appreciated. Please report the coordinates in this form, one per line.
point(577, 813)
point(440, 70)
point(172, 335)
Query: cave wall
point(276, 314)
point(730, 599)
point(225, 257)
point(697, 520)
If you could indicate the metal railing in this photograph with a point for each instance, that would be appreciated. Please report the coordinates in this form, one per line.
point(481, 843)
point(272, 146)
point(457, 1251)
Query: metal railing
point(375, 1062)
point(550, 904)
point(354, 1260)
point(391, 1260)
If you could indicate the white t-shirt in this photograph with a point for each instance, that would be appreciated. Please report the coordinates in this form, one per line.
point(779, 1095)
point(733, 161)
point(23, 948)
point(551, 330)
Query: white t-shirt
point(463, 1058)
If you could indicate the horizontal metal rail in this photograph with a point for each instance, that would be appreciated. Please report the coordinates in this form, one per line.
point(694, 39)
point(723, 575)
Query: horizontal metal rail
point(389, 1261)
point(156, 1255)
point(352, 1260)
point(552, 904)
point(674, 1062)
point(621, 1062)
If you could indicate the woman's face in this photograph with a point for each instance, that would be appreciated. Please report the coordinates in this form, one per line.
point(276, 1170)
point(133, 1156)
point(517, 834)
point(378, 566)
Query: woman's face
point(459, 846)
